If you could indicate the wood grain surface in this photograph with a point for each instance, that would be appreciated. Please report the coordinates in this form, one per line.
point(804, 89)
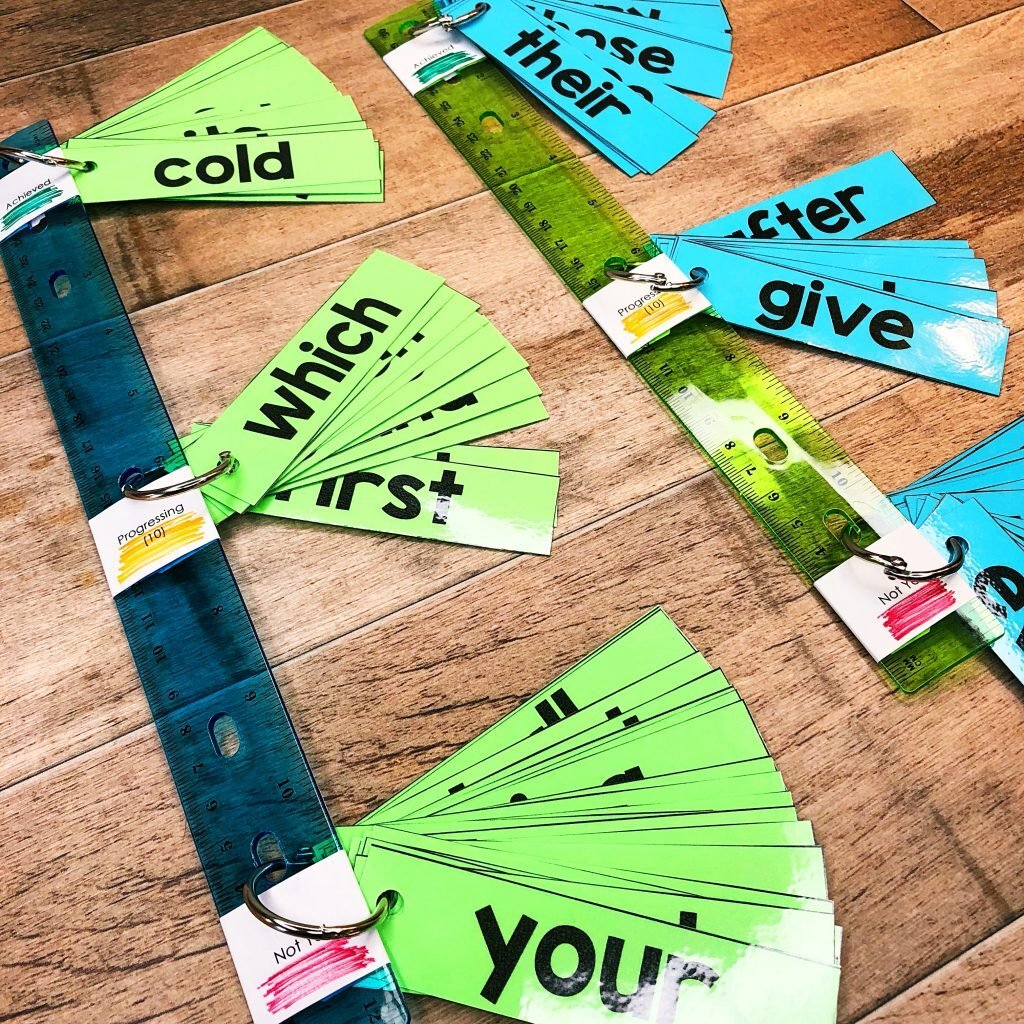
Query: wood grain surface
point(392, 653)
point(947, 14)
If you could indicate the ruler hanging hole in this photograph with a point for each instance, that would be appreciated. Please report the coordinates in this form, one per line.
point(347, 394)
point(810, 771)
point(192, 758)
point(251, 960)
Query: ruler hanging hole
point(771, 446)
point(266, 847)
point(395, 901)
point(60, 283)
point(699, 274)
point(224, 734)
point(491, 122)
point(837, 522)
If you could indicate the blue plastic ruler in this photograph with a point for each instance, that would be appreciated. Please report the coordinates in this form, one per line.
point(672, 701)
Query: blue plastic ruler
point(194, 645)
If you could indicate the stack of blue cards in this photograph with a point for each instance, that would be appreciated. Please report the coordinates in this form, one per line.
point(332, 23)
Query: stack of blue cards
point(924, 307)
point(619, 75)
point(979, 497)
point(795, 266)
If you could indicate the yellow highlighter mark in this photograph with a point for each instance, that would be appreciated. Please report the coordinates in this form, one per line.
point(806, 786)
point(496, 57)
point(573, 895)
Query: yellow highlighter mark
point(158, 544)
point(655, 313)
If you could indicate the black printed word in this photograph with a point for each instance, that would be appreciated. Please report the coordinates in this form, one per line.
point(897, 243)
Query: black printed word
point(652, 12)
point(216, 169)
point(292, 949)
point(828, 216)
point(571, 83)
point(403, 488)
point(784, 303)
point(1008, 584)
point(655, 59)
point(331, 364)
point(654, 997)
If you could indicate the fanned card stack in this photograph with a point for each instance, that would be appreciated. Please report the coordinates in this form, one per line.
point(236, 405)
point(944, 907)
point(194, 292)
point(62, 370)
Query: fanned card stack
point(620, 75)
point(979, 497)
point(362, 421)
point(920, 306)
point(256, 122)
point(620, 844)
point(795, 267)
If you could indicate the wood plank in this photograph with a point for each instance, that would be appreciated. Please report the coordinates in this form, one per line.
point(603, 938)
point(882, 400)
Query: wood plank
point(948, 14)
point(41, 37)
point(912, 800)
point(798, 44)
point(158, 251)
point(983, 984)
point(291, 573)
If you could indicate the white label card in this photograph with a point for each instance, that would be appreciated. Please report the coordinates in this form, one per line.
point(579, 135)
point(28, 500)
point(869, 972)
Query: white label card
point(633, 314)
point(281, 975)
point(431, 57)
point(138, 538)
point(886, 614)
point(29, 191)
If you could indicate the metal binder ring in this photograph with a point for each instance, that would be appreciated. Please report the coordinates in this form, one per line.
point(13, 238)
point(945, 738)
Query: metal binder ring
point(658, 279)
point(447, 22)
point(226, 465)
point(22, 156)
point(297, 928)
point(896, 567)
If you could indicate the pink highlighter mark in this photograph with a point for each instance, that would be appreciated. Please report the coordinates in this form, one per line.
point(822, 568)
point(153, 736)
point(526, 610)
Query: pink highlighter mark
point(923, 604)
point(312, 971)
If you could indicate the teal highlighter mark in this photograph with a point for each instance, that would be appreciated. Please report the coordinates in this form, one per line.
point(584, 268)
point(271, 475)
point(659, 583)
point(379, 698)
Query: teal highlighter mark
point(442, 67)
point(29, 206)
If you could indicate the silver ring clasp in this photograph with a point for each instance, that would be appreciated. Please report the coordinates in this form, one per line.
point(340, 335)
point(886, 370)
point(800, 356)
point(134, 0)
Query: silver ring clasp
point(896, 567)
point(23, 156)
point(447, 22)
point(297, 928)
point(658, 279)
point(130, 490)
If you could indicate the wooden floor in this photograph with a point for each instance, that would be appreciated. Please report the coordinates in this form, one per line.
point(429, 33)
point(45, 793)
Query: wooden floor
point(391, 653)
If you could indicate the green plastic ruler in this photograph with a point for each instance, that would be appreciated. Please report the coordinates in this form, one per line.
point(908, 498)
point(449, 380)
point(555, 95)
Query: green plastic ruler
point(784, 465)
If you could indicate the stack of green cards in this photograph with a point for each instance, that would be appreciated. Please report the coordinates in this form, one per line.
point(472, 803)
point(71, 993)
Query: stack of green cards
point(622, 842)
point(256, 122)
point(362, 421)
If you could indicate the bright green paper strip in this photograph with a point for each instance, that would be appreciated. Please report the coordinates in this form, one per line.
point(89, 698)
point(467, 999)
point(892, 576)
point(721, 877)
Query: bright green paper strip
point(505, 405)
point(362, 422)
point(332, 111)
point(302, 387)
point(648, 646)
point(256, 122)
point(767, 921)
point(519, 949)
point(238, 164)
point(450, 336)
point(256, 71)
point(440, 498)
point(447, 314)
